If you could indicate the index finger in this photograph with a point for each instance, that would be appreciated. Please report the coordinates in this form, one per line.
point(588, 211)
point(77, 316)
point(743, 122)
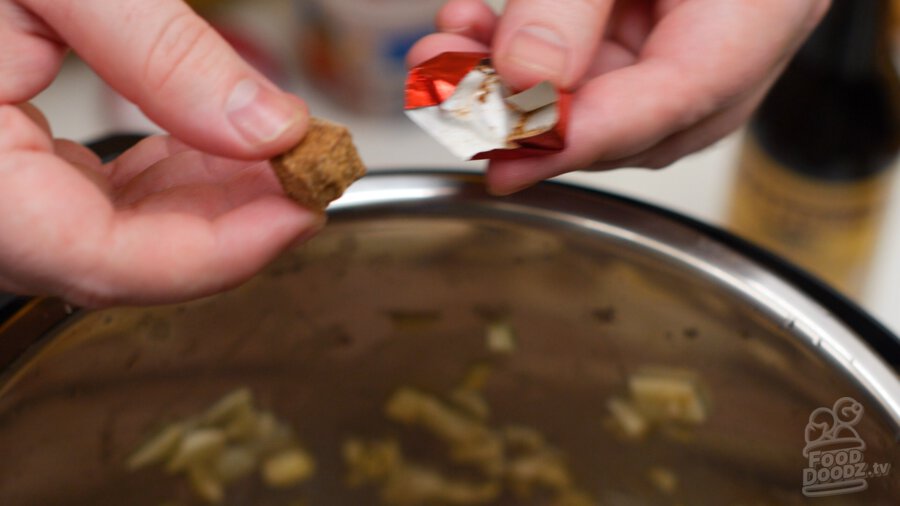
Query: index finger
point(184, 76)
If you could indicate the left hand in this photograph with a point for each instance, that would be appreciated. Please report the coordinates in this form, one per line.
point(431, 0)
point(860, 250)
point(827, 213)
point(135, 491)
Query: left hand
point(165, 222)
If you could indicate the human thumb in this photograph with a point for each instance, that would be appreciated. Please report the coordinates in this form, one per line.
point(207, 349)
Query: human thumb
point(551, 40)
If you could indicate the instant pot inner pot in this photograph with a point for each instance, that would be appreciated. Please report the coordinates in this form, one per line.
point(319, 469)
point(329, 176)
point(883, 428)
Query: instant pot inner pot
point(401, 296)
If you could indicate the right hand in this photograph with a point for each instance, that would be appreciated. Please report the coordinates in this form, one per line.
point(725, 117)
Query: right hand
point(653, 80)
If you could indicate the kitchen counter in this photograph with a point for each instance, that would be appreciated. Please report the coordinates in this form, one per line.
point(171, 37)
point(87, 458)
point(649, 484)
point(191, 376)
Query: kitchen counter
point(78, 106)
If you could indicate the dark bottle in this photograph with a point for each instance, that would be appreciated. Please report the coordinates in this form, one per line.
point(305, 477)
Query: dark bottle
point(817, 162)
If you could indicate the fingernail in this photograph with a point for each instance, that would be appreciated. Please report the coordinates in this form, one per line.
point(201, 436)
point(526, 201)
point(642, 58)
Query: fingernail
point(260, 114)
point(539, 50)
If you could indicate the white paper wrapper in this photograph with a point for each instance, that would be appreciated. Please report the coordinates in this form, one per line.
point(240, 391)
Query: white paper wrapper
point(482, 115)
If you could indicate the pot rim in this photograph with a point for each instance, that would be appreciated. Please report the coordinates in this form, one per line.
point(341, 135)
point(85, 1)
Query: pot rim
point(851, 339)
point(841, 331)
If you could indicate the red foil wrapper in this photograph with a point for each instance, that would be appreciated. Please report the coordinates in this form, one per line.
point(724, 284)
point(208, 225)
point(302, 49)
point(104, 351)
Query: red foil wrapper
point(432, 83)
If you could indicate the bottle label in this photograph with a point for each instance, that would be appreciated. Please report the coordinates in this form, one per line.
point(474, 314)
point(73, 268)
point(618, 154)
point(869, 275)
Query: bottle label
point(827, 227)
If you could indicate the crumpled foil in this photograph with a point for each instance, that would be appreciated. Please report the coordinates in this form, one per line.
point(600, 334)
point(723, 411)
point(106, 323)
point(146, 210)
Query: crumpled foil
point(459, 99)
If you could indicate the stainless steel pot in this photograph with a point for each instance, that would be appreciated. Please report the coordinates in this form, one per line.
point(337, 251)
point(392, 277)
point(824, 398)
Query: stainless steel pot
point(596, 287)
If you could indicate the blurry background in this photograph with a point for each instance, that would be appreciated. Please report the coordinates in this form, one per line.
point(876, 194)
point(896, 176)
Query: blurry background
point(357, 80)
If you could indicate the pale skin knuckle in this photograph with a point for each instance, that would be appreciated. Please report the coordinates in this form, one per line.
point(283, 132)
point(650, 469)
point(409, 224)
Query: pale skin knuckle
point(168, 53)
